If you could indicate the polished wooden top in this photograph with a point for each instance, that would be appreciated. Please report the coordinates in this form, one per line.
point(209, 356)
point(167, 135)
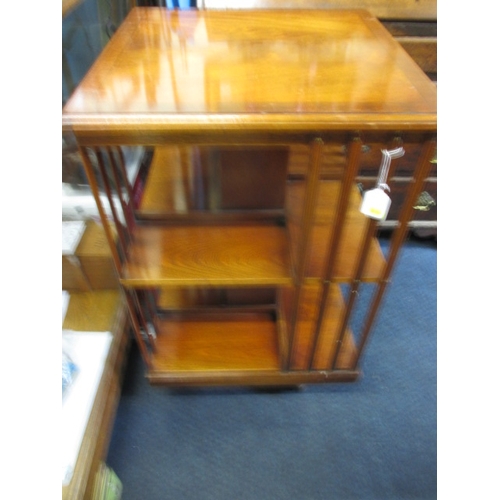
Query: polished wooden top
point(252, 70)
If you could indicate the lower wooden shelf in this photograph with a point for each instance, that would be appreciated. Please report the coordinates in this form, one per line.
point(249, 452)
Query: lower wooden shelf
point(216, 342)
point(249, 348)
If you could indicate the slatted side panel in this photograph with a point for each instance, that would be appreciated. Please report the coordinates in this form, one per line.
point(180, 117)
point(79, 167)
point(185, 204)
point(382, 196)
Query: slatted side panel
point(106, 172)
point(422, 170)
point(312, 188)
point(345, 351)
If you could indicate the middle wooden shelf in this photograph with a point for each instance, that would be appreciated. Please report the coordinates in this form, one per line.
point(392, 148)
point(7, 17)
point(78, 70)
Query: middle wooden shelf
point(212, 237)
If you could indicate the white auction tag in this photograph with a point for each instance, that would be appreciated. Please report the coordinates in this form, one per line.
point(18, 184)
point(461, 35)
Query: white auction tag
point(375, 204)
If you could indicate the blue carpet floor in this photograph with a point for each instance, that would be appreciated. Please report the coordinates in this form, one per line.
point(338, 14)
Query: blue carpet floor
point(372, 439)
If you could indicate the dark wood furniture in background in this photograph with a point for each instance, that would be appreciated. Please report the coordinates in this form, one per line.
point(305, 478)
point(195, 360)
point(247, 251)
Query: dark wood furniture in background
point(235, 257)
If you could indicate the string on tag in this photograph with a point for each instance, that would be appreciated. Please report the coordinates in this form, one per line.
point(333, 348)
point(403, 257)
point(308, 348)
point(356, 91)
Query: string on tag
point(387, 156)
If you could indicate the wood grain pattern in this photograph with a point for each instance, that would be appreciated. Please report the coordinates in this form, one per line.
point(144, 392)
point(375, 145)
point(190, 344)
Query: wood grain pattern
point(217, 343)
point(208, 255)
point(93, 311)
point(248, 254)
point(249, 70)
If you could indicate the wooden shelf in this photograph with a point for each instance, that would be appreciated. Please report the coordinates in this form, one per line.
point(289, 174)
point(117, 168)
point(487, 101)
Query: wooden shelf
point(212, 347)
point(354, 229)
point(235, 349)
point(225, 255)
point(167, 192)
point(211, 342)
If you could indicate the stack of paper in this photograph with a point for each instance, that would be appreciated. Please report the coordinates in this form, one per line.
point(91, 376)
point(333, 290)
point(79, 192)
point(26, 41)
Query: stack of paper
point(72, 232)
point(89, 351)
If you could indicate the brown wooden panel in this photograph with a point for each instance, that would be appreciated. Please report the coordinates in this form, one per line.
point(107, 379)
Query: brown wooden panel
point(197, 297)
point(252, 178)
point(244, 296)
point(332, 161)
point(398, 194)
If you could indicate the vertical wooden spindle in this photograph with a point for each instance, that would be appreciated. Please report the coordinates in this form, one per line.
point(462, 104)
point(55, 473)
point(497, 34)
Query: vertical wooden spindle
point(107, 187)
point(137, 329)
point(119, 184)
point(89, 170)
point(306, 225)
point(355, 282)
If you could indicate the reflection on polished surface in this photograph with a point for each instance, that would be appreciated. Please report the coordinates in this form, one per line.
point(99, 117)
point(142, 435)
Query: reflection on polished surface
point(252, 62)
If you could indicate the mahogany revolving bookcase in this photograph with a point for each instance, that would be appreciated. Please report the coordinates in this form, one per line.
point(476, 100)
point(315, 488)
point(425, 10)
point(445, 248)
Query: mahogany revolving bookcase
point(239, 242)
